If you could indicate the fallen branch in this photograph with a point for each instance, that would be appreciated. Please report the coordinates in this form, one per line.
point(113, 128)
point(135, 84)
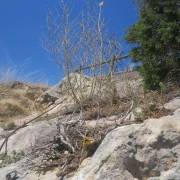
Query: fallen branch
point(74, 142)
point(128, 113)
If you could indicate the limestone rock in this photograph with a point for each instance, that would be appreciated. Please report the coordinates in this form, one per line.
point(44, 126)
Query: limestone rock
point(62, 89)
point(47, 176)
point(6, 170)
point(141, 151)
point(173, 104)
point(49, 96)
point(27, 137)
point(24, 174)
point(84, 88)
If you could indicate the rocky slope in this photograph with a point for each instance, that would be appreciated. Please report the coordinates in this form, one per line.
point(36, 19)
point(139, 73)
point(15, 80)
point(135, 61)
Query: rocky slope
point(148, 149)
point(145, 151)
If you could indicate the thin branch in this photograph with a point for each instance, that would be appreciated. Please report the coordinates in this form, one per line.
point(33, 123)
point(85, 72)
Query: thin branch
point(118, 58)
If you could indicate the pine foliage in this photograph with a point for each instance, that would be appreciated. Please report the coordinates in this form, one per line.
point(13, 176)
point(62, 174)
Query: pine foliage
point(156, 41)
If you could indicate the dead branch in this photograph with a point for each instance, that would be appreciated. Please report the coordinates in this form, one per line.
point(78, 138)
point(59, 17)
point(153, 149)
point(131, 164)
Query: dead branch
point(74, 142)
point(121, 120)
point(64, 138)
point(118, 58)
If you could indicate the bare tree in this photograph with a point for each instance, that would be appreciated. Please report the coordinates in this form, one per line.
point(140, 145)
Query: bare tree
point(81, 41)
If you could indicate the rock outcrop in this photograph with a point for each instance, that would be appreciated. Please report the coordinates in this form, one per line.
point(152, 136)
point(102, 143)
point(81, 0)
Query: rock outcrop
point(173, 104)
point(145, 151)
point(84, 88)
point(33, 134)
point(76, 81)
point(150, 150)
point(23, 173)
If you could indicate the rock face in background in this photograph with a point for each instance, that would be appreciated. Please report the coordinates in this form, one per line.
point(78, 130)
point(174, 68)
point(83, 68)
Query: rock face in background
point(146, 151)
point(62, 89)
point(128, 84)
point(86, 87)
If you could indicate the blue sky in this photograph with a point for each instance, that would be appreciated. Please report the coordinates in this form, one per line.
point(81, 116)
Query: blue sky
point(23, 22)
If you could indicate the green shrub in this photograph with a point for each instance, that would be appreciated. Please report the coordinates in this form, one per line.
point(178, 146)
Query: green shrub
point(156, 41)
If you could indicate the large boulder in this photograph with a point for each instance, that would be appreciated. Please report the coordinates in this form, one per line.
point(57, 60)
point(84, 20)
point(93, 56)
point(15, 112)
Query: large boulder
point(77, 88)
point(31, 135)
point(49, 96)
point(75, 81)
point(141, 151)
point(22, 142)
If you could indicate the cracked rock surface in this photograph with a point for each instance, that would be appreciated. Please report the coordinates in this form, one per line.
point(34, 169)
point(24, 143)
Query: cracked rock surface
point(145, 151)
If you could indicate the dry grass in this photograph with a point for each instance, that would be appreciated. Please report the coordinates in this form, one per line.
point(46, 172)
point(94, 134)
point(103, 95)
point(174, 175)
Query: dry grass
point(17, 100)
point(119, 106)
point(150, 103)
point(10, 107)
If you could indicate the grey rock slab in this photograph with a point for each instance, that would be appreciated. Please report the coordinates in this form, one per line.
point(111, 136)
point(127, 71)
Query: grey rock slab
point(148, 150)
point(173, 104)
point(27, 137)
point(24, 174)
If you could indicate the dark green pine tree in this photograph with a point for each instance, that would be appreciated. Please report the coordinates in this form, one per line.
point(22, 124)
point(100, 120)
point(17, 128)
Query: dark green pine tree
point(156, 41)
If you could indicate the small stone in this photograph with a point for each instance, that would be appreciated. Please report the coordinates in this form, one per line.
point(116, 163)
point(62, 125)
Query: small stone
point(66, 152)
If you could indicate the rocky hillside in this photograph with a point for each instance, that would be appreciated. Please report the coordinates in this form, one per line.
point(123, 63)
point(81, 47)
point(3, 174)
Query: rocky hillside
point(135, 137)
point(145, 151)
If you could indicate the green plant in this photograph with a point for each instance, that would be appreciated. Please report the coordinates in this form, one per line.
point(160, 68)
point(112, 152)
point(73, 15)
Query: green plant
point(163, 87)
point(9, 159)
point(156, 41)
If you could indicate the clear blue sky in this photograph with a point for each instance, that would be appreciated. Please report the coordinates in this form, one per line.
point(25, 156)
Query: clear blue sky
point(23, 22)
